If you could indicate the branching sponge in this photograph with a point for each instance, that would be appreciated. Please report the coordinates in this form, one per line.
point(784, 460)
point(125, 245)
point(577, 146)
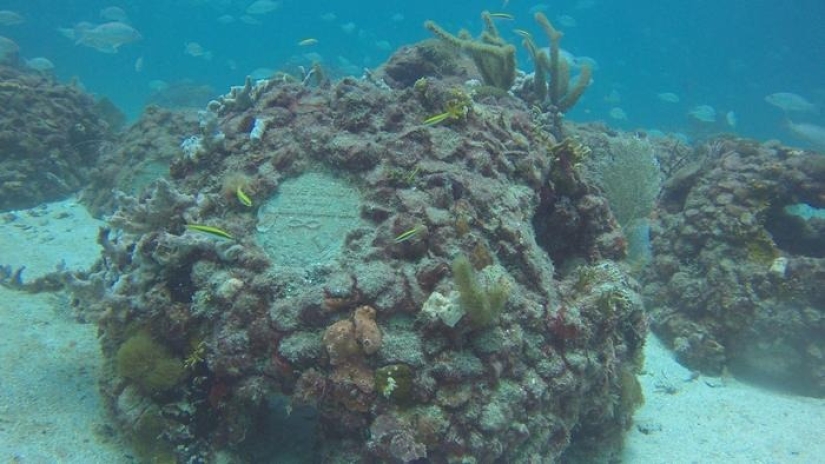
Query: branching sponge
point(482, 304)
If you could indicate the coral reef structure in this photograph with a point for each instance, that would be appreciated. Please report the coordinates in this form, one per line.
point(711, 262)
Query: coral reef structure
point(430, 58)
point(739, 262)
point(50, 137)
point(136, 157)
point(467, 302)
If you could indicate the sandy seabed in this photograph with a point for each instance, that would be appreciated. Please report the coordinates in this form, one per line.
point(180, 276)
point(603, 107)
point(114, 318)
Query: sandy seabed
point(51, 411)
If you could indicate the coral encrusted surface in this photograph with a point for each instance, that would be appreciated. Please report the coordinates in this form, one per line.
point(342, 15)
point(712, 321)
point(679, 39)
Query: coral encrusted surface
point(442, 327)
point(739, 264)
point(50, 136)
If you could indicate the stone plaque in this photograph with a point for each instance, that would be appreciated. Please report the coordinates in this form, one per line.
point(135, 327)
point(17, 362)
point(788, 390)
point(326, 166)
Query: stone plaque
point(305, 223)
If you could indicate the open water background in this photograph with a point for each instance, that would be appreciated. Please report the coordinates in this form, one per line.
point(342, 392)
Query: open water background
point(727, 54)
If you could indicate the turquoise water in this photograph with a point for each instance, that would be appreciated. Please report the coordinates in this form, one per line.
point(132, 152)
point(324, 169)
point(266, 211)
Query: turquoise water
point(727, 55)
point(696, 68)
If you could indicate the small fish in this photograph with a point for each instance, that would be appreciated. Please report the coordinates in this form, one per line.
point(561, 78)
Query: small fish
point(8, 48)
point(107, 37)
point(243, 197)
point(196, 50)
point(506, 16)
point(403, 237)
point(810, 132)
point(618, 114)
point(308, 42)
point(524, 34)
point(349, 27)
point(40, 64)
point(10, 18)
point(113, 13)
point(668, 97)
point(251, 20)
point(567, 20)
point(703, 113)
point(210, 230)
point(791, 102)
point(411, 176)
point(437, 118)
point(261, 7)
point(614, 97)
point(731, 119)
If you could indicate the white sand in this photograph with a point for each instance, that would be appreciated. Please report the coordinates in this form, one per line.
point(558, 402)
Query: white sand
point(713, 420)
point(48, 236)
point(51, 411)
point(50, 408)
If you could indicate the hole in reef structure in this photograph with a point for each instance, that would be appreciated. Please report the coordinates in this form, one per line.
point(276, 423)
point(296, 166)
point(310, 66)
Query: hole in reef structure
point(798, 229)
point(284, 433)
point(179, 283)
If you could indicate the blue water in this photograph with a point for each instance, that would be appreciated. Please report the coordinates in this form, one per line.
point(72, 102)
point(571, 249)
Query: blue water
point(727, 54)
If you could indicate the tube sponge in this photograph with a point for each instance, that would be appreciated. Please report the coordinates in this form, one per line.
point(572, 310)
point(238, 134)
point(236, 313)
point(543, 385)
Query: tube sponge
point(483, 305)
point(494, 58)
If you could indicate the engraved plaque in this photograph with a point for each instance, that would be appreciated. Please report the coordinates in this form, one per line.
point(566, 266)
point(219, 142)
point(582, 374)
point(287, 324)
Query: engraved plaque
point(305, 223)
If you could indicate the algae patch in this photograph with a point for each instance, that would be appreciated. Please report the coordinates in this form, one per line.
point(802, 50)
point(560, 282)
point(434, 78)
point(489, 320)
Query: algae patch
point(148, 364)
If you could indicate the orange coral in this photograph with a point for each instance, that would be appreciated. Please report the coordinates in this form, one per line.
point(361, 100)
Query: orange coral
point(366, 329)
point(339, 341)
point(347, 342)
point(350, 338)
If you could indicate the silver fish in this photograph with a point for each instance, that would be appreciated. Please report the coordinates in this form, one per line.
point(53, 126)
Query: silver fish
point(703, 113)
point(791, 102)
point(10, 18)
point(262, 7)
point(114, 13)
point(8, 50)
point(668, 97)
point(810, 132)
point(108, 37)
point(40, 64)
